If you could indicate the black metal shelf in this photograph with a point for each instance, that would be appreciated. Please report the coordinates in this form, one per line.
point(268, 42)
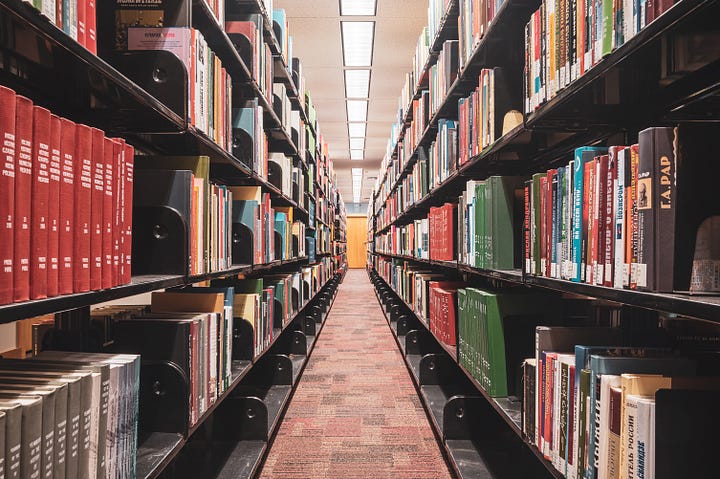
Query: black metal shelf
point(157, 450)
point(463, 454)
point(77, 84)
point(704, 307)
point(571, 107)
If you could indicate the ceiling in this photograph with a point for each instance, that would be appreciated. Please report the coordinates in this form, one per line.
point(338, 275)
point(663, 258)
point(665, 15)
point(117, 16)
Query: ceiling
point(317, 41)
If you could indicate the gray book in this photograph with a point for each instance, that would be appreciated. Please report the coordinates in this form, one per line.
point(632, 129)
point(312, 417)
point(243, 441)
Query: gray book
point(47, 445)
point(13, 438)
point(30, 435)
point(60, 391)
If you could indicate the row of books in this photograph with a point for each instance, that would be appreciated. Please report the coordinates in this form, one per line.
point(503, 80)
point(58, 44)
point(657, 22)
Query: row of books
point(247, 36)
point(183, 183)
point(588, 396)
point(639, 216)
point(77, 18)
point(66, 201)
point(69, 415)
point(489, 222)
point(442, 75)
point(590, 400)
point(437, 12)
point(475, 16)
point(209, 85)
point(564, 39)
point(481, 115)
point(250, 142)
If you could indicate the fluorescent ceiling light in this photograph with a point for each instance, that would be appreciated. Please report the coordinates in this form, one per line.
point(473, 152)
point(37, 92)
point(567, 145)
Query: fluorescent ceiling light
point(356, 130)
point(357, 143)
point(357, 83)
point(357, 110)
point(356, 154)
point(358, 7)
point(357, 172)
point(358, 38)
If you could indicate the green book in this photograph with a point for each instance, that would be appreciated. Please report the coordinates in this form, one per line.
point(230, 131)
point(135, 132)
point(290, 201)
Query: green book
point(503, 228)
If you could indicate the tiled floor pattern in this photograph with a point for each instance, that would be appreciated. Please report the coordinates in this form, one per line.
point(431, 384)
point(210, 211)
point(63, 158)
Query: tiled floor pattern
point(355, 413)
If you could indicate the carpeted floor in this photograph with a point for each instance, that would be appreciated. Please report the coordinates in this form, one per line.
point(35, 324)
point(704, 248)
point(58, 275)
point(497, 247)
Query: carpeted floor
point(355, 413)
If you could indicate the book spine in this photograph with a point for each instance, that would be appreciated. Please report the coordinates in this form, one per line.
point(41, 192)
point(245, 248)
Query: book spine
point(40, 193)
point(8, 173)
point(127, 211)
point(96, 209)
point(609, 237)
point(634, 218)
point(620, 224)
point(67, 206)
point(53, 266)
point(90, 25)
point(108, 213)
point(83, 198)
point(23, 198)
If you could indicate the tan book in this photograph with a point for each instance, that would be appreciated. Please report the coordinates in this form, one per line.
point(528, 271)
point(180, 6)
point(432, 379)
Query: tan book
point(172, 302)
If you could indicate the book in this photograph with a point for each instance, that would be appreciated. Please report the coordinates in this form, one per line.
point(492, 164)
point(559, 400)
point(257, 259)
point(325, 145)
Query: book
point(8, 118)
point(23, 198)
point(83, 181)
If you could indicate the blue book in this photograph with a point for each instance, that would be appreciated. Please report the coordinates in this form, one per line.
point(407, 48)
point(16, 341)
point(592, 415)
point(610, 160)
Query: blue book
point(582, 156)
point(281, 229)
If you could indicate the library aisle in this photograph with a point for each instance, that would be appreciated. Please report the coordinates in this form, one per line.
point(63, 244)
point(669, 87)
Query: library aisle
point(355, 413)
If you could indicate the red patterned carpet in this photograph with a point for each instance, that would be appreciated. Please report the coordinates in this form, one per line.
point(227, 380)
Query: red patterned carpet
point(355, 413)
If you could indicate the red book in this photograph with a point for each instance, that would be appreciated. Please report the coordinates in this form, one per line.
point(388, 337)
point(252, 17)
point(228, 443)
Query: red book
point(67, 206)
point(23, 195)
point(97, 158)
point(90, 25)
point(8, 103)
point(126, 212)
point(40, 195)
point(54, 209)
point(83, 198)
point(543, 225)
point(117, 226)
point(81, 23)
point(108, 213)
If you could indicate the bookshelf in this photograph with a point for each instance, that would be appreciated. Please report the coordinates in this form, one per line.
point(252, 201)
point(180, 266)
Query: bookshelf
point(144, 98)
point(633, 85)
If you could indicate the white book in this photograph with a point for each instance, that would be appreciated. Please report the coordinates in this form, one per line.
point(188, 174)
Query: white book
point(645, 433)
point(619, 208)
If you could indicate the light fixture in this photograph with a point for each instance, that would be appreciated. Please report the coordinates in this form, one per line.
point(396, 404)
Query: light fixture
point(358, 7)
point(356, 130)
point(357, 143)
point(357, 110)
point(358, 38)
point(356, 155)
point(357, 83)
point(356, 183)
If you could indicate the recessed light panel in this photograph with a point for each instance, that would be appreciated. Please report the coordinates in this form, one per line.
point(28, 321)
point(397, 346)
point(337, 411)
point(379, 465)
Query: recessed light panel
point(357, 83)
point(358, 40)
point(357, 143)
point(356, 155)
point(357, 110)
point(358, 7)
point(356, 130)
